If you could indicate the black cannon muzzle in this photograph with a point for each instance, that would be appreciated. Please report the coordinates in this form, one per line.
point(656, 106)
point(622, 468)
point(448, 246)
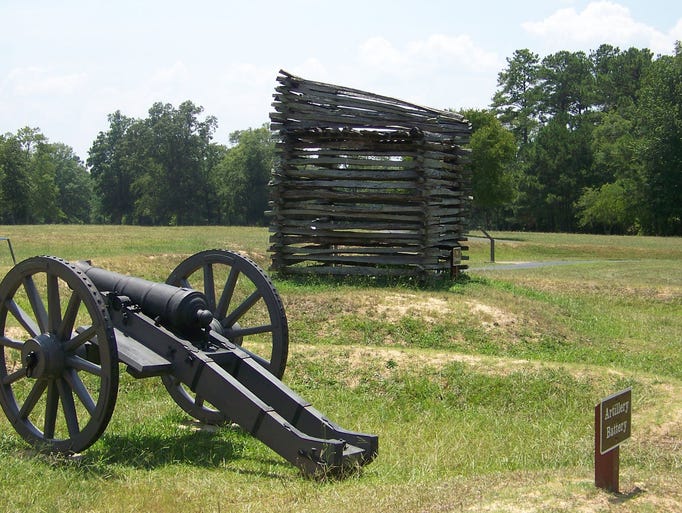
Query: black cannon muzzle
point(183, 311)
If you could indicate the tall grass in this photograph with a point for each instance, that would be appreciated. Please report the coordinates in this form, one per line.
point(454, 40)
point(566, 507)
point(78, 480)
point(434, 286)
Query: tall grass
point(481, 390)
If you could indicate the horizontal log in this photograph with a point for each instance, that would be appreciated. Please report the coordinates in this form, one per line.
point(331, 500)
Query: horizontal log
point(349, 250)
point(365, 225)
point(288, 217)
point(351, 197)
point(347, 271)
point(367, 269)
point(358, 145)
point(343, 236)
point(356, 186)
point(369, 162)
point(296, 237)
point(337, 208)
point(355, 174)
point(302, 116)
point(401, 260)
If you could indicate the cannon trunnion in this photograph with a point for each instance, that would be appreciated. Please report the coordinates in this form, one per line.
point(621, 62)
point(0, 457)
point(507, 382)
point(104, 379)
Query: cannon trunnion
point(215, 332)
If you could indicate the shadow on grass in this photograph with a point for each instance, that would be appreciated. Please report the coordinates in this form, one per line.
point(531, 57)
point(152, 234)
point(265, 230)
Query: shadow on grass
point(113, 454)
point(198, 446)
point(149, 451)
point(434, 283)
point(622, 497)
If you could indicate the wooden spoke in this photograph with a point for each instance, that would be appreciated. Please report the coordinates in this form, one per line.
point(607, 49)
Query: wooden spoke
point(36, 304)
point(13, 377)
point(51, 410)
point(78, 363)
point(32, 398)
point(244, 307)
point(76, 384)
point(209, 286)
point(228, 292)
point(69, 407)
point(8, 342)
point(24, 319)
point(54, 307)
point(81, 338)
point(68, 322)
point(245, 332)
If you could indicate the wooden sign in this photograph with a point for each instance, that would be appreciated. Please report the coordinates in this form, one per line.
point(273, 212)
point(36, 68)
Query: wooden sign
point(615, 420)
point(612, 425)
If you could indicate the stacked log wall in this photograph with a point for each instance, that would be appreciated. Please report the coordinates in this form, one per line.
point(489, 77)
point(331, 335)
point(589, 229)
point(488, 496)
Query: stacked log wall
point(365, 184)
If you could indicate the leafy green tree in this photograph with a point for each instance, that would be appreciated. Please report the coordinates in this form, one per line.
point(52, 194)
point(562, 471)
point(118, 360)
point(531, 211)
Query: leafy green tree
point(43, 193)
point(516, 101)
point(614, 203)
point(493, 149)
point(660, 113)
point(618, 77)
point(177, 151)
point(74, 184)
point(547, 104)
point(243, 176)
point(45, 206)
point(155, 170)
point(41, 182)
point(607, 208)
point(108, 163)
point(567, 83)
point(558, 169)
point(15, 185)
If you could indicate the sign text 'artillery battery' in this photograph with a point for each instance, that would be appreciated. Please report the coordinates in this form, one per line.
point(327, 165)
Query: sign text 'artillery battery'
point(615, 420)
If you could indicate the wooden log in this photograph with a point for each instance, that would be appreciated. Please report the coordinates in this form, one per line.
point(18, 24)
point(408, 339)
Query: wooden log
point(356, 174)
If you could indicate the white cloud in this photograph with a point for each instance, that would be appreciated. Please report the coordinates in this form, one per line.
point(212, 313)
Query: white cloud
point(600, 22)
point(438, 51)
point(459, 50)
point(245, 73)
point(378, 52)
point(311, 67)
point(38, 81)
point(440, 70)
point(177, 72)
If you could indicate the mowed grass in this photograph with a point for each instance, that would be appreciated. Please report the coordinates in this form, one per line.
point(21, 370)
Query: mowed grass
point(481, 389)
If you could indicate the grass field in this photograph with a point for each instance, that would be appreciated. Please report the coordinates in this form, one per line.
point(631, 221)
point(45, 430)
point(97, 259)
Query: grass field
point(481, 390)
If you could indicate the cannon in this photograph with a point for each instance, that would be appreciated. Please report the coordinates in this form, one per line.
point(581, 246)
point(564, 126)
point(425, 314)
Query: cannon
point(215, 332)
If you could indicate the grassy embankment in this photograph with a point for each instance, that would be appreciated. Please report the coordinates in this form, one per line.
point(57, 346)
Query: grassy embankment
point(482, 391)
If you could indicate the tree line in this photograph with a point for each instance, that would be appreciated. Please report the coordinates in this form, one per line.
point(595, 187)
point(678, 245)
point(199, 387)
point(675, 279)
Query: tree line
point(160, 170)
point(572, 141)
point(596, 143)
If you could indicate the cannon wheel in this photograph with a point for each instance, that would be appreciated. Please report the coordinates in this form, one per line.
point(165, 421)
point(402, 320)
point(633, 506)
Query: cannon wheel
point(47, 361)
point(249, 311)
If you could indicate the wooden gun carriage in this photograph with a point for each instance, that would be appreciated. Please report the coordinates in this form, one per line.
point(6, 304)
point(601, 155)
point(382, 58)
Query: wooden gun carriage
point(216, 333)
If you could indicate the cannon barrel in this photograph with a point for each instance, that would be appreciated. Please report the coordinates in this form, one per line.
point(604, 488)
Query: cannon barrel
point(184, 311)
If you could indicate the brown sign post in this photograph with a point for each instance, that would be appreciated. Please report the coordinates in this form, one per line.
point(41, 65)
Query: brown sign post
point(612, 424)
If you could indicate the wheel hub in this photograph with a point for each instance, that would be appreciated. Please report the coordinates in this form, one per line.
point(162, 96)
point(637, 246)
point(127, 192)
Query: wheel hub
point(43, 356)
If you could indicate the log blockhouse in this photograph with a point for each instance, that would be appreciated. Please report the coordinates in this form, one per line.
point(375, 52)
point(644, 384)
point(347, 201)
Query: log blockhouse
point(365, 184)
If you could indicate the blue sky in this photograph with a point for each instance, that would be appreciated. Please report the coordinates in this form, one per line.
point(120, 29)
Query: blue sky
point(64, 66)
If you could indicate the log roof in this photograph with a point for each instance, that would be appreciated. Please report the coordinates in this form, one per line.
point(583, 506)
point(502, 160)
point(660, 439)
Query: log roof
point(304, 104)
